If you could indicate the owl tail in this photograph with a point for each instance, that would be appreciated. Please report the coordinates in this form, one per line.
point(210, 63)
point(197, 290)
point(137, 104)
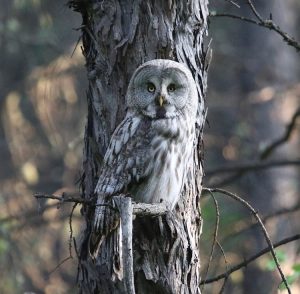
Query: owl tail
point(106, 222)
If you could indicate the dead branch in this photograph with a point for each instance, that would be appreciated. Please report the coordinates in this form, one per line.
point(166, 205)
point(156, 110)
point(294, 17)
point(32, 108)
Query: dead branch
point(247, 167)
point(233, 3)
point(266, 23)
point(226, 266)
point(252, 258)
point(146, 209)
point(242, 169)
point(286, 136)
point(281, 212)
point(244, 228)
point(265, 232)
point(63, 198)
point(255, 12)
point(143, 209)
point(215, 238)
point(124, 205)
point(126, 208)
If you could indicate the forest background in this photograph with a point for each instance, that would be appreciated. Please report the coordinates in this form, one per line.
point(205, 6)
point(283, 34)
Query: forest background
point(253, 94)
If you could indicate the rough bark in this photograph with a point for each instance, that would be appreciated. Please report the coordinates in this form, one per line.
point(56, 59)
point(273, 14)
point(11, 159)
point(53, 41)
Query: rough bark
point(117, 37)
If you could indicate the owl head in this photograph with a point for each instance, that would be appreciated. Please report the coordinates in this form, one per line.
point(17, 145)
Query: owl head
point(162, 89)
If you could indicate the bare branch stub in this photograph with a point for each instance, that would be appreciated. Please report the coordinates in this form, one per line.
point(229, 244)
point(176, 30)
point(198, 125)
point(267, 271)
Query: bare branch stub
point(125, 208)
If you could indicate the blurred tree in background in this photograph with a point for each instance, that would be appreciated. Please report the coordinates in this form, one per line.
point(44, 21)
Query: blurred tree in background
point(253, 92)
point(41, 130)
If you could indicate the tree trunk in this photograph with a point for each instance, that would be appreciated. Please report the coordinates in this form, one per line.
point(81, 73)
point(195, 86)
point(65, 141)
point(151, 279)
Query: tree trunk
point(117, 37)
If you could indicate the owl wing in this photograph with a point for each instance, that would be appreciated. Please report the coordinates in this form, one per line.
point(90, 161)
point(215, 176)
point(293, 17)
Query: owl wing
point(126, 162)
point(126, 158)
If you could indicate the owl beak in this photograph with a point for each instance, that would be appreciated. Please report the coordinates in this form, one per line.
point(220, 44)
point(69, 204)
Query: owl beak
point(161, 100)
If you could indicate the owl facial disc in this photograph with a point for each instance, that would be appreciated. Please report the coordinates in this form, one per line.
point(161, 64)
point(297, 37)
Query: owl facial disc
point(162, 89)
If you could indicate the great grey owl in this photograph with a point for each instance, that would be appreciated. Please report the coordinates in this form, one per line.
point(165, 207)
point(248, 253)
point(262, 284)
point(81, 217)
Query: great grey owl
point(150, 150)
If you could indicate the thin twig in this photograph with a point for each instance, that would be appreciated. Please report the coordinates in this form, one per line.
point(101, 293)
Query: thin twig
point(252, 258)
point(62, 198)
point(233, 3)
point(244, 228)
point(241, 170)
point(234, 16)
point(286, 136)
point(71, 229)
point(227, 180)
point(76, 45)
point(226, 266)
point(247, 167)
point(269, 24)
point(71, 239)
point(60, 264)
point(255, 11)
point(214, 238)
point(265, 232)
point(281, 212)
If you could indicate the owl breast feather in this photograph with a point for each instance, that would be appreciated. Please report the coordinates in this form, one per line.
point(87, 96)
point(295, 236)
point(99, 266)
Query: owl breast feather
point(148, 159)
point(169, 154)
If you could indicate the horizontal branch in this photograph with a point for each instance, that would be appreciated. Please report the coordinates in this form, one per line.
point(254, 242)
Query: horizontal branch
point(241, 170)
point(143, 209)
point(252, 258)
point(233, 3)
point(269, 24)
point(146, 209)
point(246, 167)
point(63, 198)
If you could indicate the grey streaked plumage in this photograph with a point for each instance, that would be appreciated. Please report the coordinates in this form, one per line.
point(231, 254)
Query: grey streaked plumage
point(149, 151)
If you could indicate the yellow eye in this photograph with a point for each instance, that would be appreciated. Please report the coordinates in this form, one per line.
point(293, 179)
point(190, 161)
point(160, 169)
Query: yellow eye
point(171, 88)
point(151, 88)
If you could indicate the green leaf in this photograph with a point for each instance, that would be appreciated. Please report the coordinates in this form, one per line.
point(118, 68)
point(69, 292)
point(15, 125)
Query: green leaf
point(290, 280)
point(296, 268)
point(271, 265)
